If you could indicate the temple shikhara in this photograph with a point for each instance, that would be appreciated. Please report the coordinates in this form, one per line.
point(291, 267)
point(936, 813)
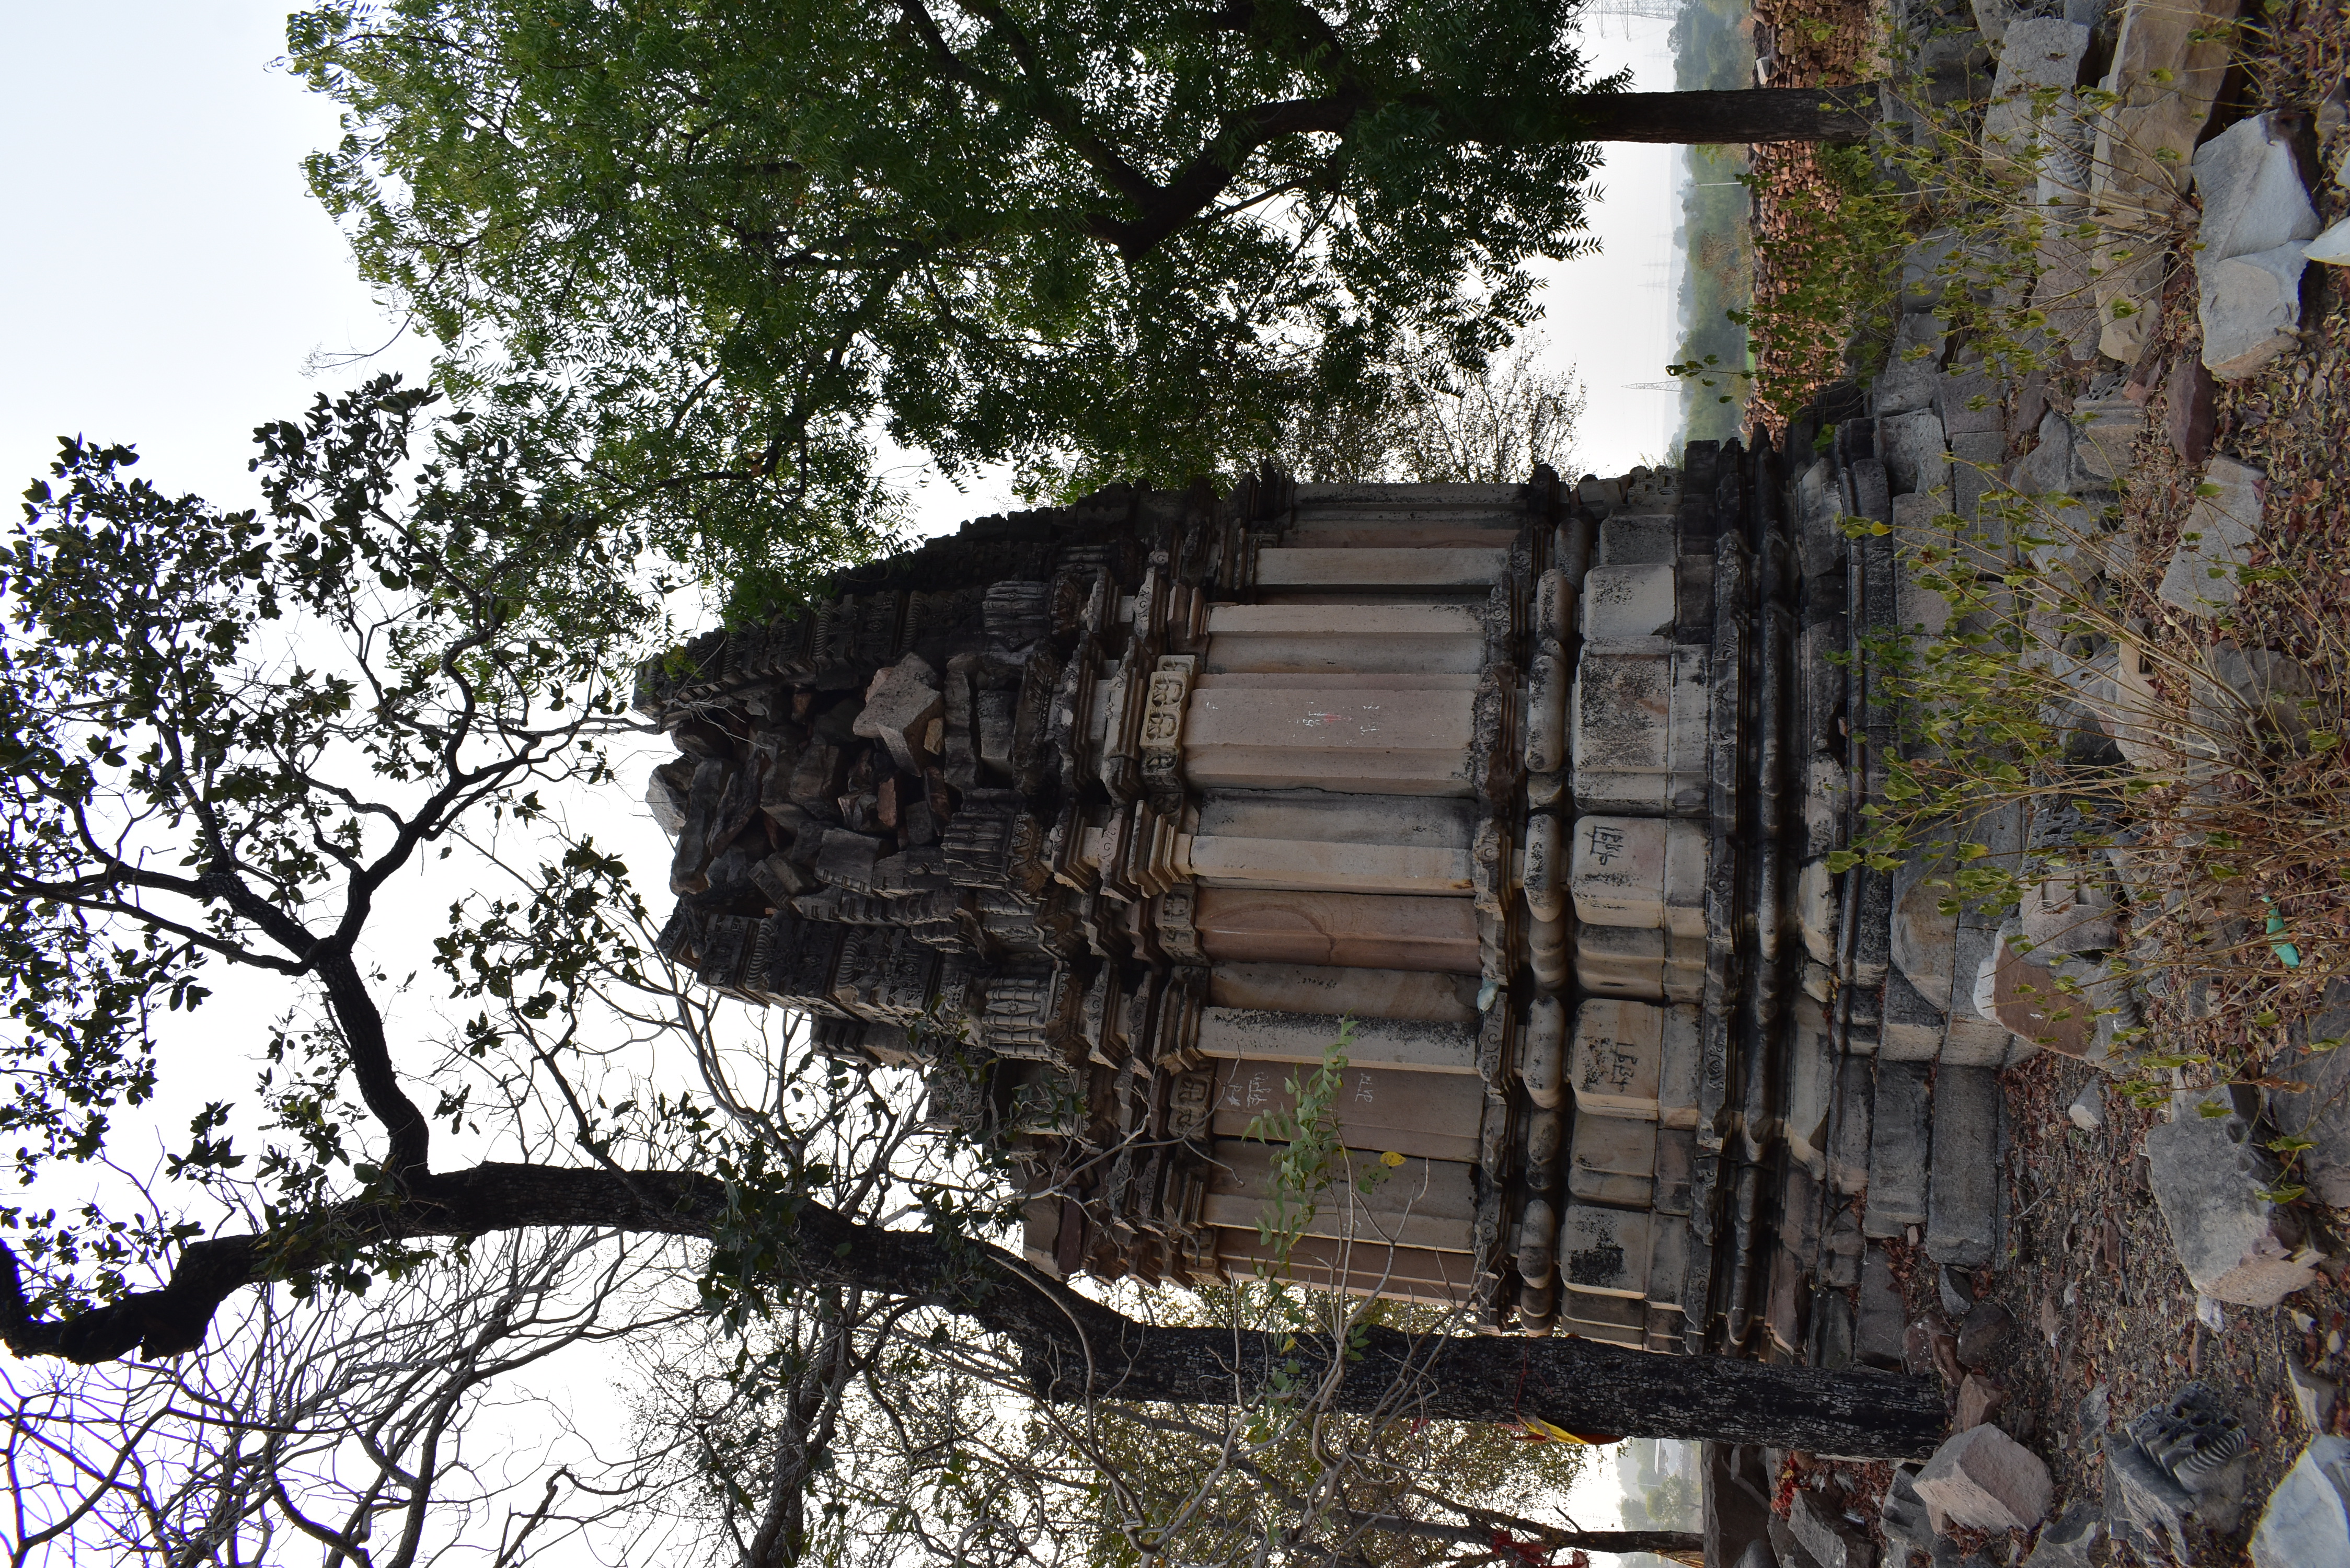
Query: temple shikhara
point(1107, 817)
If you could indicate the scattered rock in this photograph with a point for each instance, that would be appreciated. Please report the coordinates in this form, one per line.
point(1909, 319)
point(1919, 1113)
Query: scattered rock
point(1958, 1296)
point(2071, 910)
point(2087, 1110)
point(2068, 1542)
point(1985, 1331)
point(2188, 420)
point(2216, 540)
point(2319, 1110)
point(1984, 1480)
point(2307, 1521)
point(2256, 225)
point(2313, 1396)
point(2207, 1172)
point(2333, 246)
point(2019, 994)
point(1979, 1398)
point(1827, 1536)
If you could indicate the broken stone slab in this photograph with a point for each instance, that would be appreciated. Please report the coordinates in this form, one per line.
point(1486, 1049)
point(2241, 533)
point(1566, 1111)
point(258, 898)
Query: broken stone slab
point(1980, 1399)
point(2021, 994)
point(2307, 1520)
point(1984, 1480)
point(1984, 1335)
point(1903, 1520)
point(1899, 1142)
point(2333, 246)
point(2031, 101)
point(2313, 1396)
point(1917, 452)
point(1913, 1028)
point(1833, 1540)
point(2070, 911)
point(2208, 1172)
point(2170, 61)
point(2087, 1110)
point(899, 707)
point(2256, 225)
point(1879, 1332)
point(2188, 420)
point(2068, 1542)
point(1924, 939)
point(2047, 468)
point(2319, 1108)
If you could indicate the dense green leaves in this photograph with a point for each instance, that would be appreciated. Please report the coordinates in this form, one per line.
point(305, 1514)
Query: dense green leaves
point(222, 732)
point(1093, 238)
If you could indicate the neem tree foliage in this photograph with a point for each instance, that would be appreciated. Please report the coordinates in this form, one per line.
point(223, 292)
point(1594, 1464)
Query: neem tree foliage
point(1116, 237)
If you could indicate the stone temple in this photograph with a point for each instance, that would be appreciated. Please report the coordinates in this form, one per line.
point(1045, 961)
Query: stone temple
point(1107, 816)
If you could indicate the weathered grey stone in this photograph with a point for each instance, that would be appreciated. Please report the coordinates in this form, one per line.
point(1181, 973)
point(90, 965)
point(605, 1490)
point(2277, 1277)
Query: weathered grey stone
point(1961, 1224)
point(1968, 398)
point(1811, 1086)
point(2180, 1459)
point(1878, 1333)
point(2319, 1110)
point(1924, 939)
point(2207, 1172)
point(1786, 1548)
point(1975, 457)
point(1849, 1139)
point(2307, 1520)
point(2070, 911)
point(2105, 438)
point(1913, 368)
point(2313, 1396)
point(1832, 1541)
point(2256, 223)
point(1913, 1027)
point(2087, 1110)
point(2047, 468)
point(2038, 56)
point(2067, 1542)
point(1900, 1141)
point(1984, 1480)
point(1916, 454)
point(900, 705)
point(1970, 1043)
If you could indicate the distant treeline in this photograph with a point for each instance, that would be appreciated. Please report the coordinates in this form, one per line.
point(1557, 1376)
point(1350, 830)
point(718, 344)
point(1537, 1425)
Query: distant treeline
point(1712, 48)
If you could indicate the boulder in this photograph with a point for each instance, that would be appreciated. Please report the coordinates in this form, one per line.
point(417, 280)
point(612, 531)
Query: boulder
point(2208, 1172)
point(1984, 1480)
point(2216, 540)
point(2256, 224)
point(2306, 1523)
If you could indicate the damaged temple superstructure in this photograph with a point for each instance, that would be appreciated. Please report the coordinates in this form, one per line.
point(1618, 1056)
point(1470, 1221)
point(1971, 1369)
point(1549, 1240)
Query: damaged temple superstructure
point(1108, 815)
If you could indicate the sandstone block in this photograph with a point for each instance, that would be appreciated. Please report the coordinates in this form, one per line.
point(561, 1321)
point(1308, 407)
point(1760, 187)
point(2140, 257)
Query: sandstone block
point(1642, 872)
point(1643, 539)
point(900, 705)
point(1900, 1138)
point(2319, 1109)
point(1912, 1027)
point(1962, 1220)
point(1924, 939)
point(1675, 1166)
point(1984, 1480)
point(2216, 540)
point(1612, 1160)
point(1879, 1331)
point(1856, 1107)
point(1627, 603)
point(1917, 453)
point(2307, 1520)
point(1669, 1248)
point(1910, 371)
point(2038, 56)
point(2206, 1173)
point(1832, 1541)
point(1636, 717)
point(1811, 1085)
point(2256, 223)
point(2106, 436)
point(1605, 1251)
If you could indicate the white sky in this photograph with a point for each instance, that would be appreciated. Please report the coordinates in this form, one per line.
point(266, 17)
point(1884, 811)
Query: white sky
point(171, 283)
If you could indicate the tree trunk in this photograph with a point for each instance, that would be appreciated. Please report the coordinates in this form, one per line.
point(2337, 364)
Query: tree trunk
point(1746, 114)
point(1076, 1348)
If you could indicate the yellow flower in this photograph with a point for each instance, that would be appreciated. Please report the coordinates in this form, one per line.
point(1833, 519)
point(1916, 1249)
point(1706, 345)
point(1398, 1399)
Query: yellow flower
point(1391, 1158)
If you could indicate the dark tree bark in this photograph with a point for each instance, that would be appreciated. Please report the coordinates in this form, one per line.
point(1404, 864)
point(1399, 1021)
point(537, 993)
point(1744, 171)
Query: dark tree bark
point(1076, 1348)
point(1745, 114)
